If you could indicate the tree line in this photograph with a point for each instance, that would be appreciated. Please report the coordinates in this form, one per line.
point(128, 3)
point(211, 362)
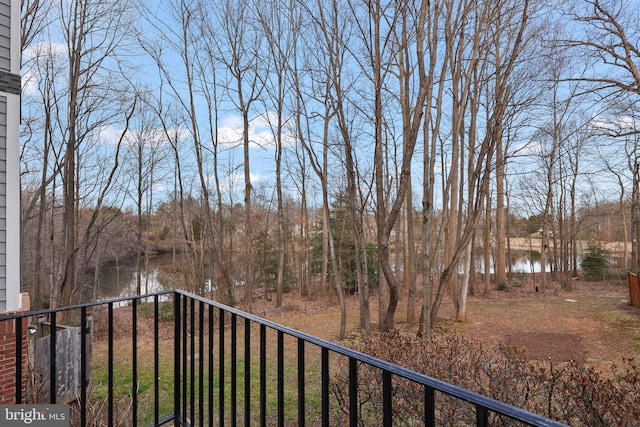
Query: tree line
point(360, 144)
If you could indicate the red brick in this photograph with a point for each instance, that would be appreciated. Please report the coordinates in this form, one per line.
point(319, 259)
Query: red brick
point(8, 354)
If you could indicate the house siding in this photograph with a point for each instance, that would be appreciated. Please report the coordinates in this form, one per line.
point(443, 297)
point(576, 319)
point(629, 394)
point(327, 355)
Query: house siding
point(3, 203)
point(10, 298)
point(5, 35)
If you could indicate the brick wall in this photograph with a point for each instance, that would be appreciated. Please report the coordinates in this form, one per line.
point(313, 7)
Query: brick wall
point(8, 354)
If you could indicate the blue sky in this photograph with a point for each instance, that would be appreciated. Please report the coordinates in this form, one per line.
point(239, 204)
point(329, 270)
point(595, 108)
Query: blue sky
point(229, 131)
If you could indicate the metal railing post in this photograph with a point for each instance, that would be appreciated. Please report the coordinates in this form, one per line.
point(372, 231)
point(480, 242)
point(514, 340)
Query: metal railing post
point(482, 416)
point(192, 362)
point(263, 375)
point(18, 389)
point(429, 407)
point(52, 359)
point(234, 371)
point(110, 365)
point(387, 394)
point(301, 384)
point(201, 363)
point(221, 374)
point(176, 359)
point(84, 383)
point(247, 372)
point(325, 386)
point(353, 392)
point(211, 365)
point(134, 360)
point(156, 361)
point(280, 382)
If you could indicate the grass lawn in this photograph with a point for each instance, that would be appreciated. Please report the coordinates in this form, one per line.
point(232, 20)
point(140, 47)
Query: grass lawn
point(123, 376)
point(592, 323)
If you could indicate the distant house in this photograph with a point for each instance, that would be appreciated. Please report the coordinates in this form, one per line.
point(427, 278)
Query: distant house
point(10, 298)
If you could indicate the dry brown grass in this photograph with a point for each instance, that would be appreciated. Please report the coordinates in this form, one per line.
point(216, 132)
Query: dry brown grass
point(592, 323)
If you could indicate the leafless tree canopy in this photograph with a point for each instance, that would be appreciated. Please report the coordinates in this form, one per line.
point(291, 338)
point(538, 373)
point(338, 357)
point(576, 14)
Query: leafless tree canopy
point(408, 149)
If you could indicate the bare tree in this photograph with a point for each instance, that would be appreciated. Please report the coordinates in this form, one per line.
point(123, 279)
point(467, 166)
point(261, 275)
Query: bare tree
point(623, 173)
point(35, 16)
point(45, 69)
point(94, 33)
point(281, 28)
point(146, 150)
point(305, 154)
point(240, 52)
point(330, 56)
point(410, 56)
point(431, 233)
point(608, 34)
point(509, 20)
point(476, 52)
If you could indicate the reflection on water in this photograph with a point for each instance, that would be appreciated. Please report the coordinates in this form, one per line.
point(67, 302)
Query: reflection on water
point(149, 283)
point(525, 265)
point(520, 265)
point(121, 281)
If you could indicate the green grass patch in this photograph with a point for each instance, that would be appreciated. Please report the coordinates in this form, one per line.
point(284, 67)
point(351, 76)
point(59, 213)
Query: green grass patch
point(124, 388)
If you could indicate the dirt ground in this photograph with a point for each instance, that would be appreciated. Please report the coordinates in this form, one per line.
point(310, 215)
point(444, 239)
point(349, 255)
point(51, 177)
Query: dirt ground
point(592, 323)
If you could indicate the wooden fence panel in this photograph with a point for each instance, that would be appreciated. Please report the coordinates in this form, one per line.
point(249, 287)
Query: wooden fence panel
point(68, 376)
point(634, 289)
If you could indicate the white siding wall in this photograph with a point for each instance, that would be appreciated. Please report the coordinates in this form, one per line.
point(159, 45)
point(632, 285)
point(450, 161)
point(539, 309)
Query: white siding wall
point(5, 35)
point(3, 204)
point(10, 298)
point(12, 257)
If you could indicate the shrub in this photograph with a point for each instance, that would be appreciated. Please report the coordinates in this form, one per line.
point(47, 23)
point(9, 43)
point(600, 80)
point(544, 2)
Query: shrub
point(568, 392)
point(518, 280)
point(595, 263)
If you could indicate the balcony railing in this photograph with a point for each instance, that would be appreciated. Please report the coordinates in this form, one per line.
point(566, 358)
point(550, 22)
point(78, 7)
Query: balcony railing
point(174, 358)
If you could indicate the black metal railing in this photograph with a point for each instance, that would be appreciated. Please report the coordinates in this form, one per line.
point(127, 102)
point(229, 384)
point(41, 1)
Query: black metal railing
point(177, 358)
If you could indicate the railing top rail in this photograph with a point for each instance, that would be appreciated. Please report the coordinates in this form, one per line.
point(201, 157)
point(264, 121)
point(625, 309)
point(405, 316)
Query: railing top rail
point(47, 311)
point(444, 387)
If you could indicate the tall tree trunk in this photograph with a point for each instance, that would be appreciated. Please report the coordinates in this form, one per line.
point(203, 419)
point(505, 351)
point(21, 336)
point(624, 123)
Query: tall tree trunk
point(282, 242)
point(501, 252)
point(430, 132)
point(409, 265)
point(487, 240)
point(412, 113)
point(635, 215)
point(461, 315)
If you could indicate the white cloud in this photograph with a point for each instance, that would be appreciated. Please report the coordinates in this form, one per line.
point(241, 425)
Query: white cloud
point(234, 181)
point(110, 135)
point(530, 148)
point(42, 55)
point(29, 83)
point(620, 124)
point(154, 137)
point(231, 130)
point(260, 131)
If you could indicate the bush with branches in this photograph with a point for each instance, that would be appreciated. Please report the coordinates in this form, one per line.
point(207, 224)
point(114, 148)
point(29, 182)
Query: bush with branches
point(595, 262)
point(567, 392)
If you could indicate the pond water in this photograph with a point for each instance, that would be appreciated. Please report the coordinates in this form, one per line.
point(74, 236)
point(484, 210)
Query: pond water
point(121, 281)
point(520, 265)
